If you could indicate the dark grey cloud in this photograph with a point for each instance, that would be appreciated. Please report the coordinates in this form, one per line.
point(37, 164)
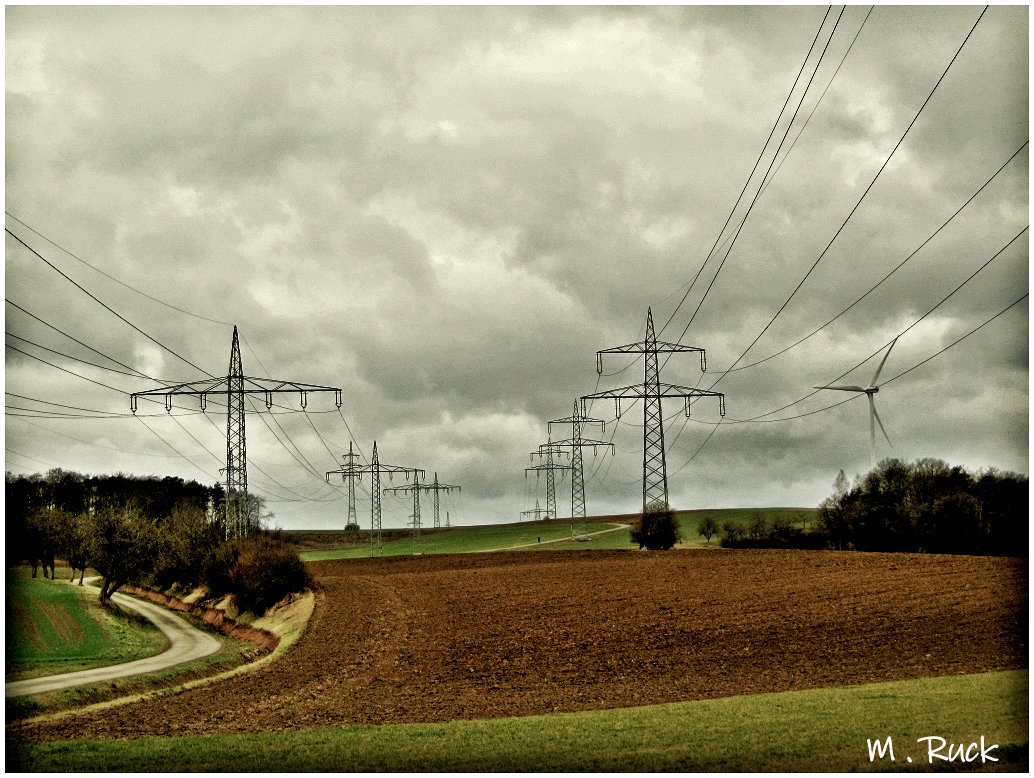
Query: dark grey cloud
point(447, 211)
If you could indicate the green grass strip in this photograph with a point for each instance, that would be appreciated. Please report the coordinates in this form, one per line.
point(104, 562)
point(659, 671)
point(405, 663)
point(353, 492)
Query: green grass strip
point(818, 730)
point(557, 537)
point(461, 540)
point(57, 627)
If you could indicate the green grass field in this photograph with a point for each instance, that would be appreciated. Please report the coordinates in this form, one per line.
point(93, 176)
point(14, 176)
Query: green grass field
point(55, 627)
point(461, 540)
point(554, 537)
point(822, 730)
point(689, 521)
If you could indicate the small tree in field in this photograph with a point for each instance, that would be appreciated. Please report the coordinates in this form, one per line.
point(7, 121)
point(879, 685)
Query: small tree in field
point(708, 528)
point(122, 548)
point(657, 529)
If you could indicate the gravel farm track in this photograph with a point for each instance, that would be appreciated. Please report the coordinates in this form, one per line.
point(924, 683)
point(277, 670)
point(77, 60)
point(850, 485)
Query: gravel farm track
point(463, 636)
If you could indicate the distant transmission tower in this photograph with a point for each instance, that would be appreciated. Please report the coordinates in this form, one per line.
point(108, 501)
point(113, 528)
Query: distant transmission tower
point(235, 385)
point(549, 467)
point(435, 488)
point(416, 487)
point(375, 468)
point(651, 391)
point(350, 473)
point(535, 513)
point(576, 443)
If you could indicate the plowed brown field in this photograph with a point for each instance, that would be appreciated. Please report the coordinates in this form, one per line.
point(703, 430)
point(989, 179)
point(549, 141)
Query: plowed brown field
point(470, 636)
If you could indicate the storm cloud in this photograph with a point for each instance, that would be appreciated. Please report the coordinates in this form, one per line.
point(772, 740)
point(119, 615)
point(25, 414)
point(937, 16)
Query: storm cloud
point(446, 212)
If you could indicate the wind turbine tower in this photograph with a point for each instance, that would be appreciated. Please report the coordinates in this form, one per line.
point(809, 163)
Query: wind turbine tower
point(869, 391)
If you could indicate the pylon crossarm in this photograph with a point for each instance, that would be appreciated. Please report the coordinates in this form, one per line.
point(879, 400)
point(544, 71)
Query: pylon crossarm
point(249, 386)
point(552, 466)
point(636, 390)
point(655, 347)
point(642, 348)
point(577, 420)
point(549, 448)
point(221, 386)
point(583, 442)
point(673, 390)
point(193, 387)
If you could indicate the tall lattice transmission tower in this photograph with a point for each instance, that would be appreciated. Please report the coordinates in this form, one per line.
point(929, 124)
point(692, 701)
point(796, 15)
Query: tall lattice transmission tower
point(550, 468)
point(435, 489)
point(350, 473)
point(652, 391)
point(578, 422)
point(375, 468)
point(237, 516)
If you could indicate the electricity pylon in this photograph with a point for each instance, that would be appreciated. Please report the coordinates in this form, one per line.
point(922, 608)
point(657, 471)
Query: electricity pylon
point(416, 487)
point(535, 512)
point(550, 467)
point(652, 391)
point(375, 468)
point(350, 473)
point(235, 385)
point(576, 443)
point(436, 488)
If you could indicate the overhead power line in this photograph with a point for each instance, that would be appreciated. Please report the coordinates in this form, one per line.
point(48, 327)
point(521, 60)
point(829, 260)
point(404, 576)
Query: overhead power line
point(896, 268)
point(76, 340)
point(818, 102)
point(135, 374)
point(103, 304)
point(750, 177)
point(757, 195)
point(111, 277)
point(860, 200)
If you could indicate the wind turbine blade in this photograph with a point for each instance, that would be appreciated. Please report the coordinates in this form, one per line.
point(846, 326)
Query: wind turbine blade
point(876, 375)
point(878, 421)
point(843, 388)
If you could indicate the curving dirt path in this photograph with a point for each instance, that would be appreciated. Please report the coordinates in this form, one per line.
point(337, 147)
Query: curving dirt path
point(408, 639)
point(186, 643)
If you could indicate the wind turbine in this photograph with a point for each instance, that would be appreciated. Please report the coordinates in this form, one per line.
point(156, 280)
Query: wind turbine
point(869, 391)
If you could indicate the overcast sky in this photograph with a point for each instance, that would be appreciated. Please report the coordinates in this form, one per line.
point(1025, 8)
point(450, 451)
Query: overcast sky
point(446, 212)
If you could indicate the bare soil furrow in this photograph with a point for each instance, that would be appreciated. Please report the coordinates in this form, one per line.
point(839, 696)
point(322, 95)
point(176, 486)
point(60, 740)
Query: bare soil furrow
point(472, 636)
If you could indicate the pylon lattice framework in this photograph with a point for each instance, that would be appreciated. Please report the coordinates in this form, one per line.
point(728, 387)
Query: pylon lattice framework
point(549, 467)
point(375, 468)
point(652, 391)
point(350, 473)
point(235, 386)
point(576, 443)
point(535, 513)
point(436, 488)
point(416, 487)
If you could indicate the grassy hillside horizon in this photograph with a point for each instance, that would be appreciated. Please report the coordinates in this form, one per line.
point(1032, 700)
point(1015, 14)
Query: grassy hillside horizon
point(608, 532)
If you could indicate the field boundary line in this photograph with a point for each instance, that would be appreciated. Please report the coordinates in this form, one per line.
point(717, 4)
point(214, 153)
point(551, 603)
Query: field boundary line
point(304, 607)
point(617, 528)
point(186, 644)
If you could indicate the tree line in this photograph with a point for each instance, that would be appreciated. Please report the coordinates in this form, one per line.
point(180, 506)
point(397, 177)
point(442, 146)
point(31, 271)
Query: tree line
point(923, 506)
point(148, 531)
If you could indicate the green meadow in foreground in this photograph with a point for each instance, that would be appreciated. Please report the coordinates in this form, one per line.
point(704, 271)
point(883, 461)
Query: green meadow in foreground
point(819, 730)
point(55, 627)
